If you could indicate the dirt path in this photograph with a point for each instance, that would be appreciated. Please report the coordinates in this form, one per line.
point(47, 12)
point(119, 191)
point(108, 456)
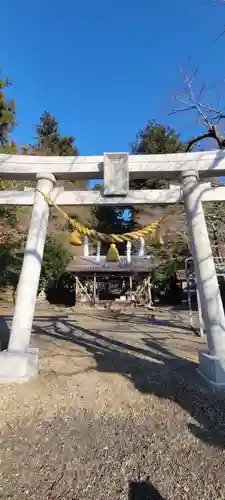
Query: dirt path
point(117, 400)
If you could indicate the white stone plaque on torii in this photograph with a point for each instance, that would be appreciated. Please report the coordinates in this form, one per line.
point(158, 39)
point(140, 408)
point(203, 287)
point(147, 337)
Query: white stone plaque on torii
point(116, 174)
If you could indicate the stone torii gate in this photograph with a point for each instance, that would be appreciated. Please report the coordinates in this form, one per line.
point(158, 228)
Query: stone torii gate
point(20, 361)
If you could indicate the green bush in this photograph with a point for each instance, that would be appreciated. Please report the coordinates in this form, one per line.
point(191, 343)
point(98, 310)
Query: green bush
point(55, 261)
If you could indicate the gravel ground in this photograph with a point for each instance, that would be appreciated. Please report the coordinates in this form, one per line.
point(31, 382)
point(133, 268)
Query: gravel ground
point(117, 407)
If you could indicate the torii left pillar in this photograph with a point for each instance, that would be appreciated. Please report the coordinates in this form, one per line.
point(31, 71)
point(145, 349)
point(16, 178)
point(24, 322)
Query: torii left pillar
point(20, 361)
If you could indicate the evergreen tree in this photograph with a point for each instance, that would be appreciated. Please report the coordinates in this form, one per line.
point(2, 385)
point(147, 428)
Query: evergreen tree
point(155, 139)
point(47, 133)
point(50, 142)
point(8, 216)
point(7, 112)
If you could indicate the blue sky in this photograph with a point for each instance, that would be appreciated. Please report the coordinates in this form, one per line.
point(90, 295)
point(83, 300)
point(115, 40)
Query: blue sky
point(103, 68)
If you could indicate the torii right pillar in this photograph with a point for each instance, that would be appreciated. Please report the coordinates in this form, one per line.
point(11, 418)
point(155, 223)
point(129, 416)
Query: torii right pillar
point(212, 359)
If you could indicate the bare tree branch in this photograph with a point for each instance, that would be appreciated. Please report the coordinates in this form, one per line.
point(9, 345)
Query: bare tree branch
point(210, 134)
point(207, 115)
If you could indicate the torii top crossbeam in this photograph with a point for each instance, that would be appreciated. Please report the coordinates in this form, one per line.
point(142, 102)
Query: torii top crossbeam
point(18, 167)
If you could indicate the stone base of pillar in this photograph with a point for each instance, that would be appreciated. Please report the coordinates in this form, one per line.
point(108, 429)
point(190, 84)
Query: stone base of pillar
point(212, 368)
point(18, 367)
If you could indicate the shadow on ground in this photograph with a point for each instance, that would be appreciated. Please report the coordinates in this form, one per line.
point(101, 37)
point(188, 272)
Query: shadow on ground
point(133, 318)
point(152, 369)
point(143, 491)
point(4, 333)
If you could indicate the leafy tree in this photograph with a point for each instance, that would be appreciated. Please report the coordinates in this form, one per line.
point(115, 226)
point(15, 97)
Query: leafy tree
point(153, 139)
point(55, 261)
point(7, 112)
point(108, 219)
point(7, 123)
point(9, 149)
point(165, 270)
point(12, 236)
point(215, 220)
point(11, 259)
